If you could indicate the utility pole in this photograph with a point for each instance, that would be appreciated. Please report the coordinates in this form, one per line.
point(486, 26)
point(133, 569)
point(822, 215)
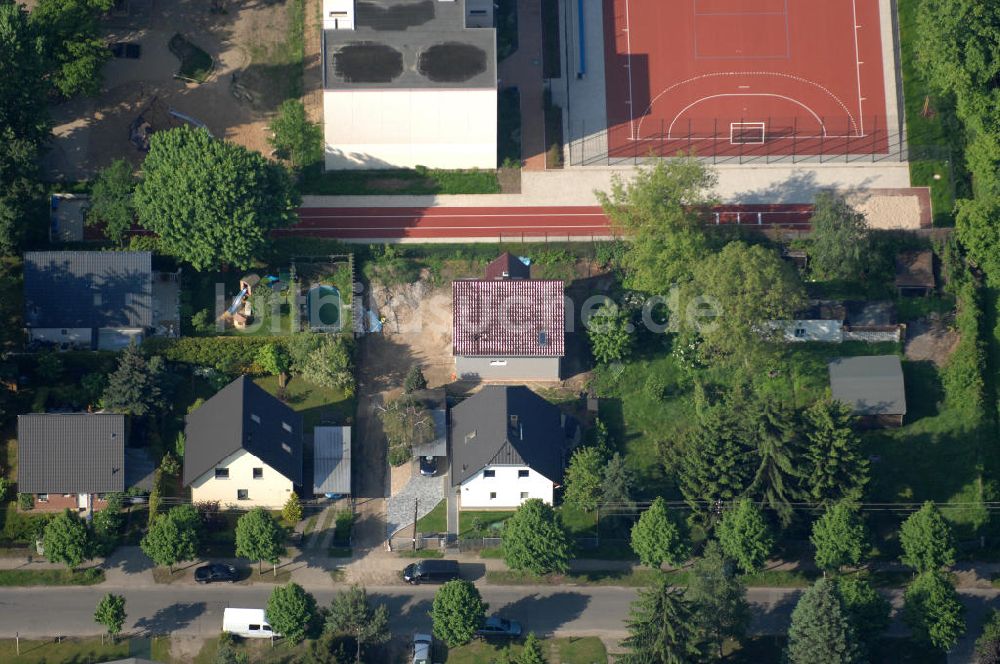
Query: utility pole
point(415, 501)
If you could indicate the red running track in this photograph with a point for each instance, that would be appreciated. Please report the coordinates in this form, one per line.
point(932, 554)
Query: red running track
point(511, 222)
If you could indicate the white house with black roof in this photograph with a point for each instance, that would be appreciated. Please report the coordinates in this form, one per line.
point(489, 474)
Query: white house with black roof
point(408, 83)
point(101, 300)
point(70, 460)
point(508, 445)
point(243, 448)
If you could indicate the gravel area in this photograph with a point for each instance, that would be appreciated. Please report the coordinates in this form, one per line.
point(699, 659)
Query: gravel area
point(428, 491)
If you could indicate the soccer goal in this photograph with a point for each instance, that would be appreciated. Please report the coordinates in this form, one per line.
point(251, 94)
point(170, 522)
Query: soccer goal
point(747, 133)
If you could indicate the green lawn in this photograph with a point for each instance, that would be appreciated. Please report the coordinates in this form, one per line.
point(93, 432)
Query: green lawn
point(413, 182)
point(573, 650)
point(488, 521)
point(435, 521)
point(578, 522)
point(315, 404)
point(51, 577)
point(68, 650)
point(930, 140)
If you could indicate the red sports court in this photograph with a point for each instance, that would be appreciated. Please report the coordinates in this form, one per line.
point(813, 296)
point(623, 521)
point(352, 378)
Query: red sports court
point(744, 77)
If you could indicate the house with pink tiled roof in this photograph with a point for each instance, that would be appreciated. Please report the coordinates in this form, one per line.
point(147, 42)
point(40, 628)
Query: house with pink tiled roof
point(508, 327)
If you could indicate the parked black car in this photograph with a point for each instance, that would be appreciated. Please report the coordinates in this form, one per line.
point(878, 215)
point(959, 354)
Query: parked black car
point(216, 572)
point(428, 466)
point(431, 571)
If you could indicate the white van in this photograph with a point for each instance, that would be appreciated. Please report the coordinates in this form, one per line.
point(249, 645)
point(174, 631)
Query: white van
point(248, 623)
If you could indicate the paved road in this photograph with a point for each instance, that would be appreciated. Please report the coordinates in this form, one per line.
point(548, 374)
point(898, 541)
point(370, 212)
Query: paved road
point(587, 611)
point(386, 223)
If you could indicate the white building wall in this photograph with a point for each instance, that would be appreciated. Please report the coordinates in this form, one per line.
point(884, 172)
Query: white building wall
point(433, 127)
point(77, 336)
point(271, 491)
point(510, 489)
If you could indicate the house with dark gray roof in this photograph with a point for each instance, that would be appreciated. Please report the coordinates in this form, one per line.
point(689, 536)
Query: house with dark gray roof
point(872, 385)
point(70, 460)
point(408, 83)
point(97, 299)
point(508, 445)
point(243, 447)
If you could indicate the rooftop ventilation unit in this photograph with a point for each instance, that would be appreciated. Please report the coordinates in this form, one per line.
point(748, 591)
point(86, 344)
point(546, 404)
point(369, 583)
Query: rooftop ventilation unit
point(338, 14)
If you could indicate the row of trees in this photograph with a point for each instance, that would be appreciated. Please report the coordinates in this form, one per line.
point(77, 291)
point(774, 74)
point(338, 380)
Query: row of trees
point(839, 619)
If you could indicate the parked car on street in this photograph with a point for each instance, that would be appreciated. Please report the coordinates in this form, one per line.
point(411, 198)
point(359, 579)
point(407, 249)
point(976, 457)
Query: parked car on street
point(497, 627)
point(214, 572)
point(422, 649)
point(431, 571)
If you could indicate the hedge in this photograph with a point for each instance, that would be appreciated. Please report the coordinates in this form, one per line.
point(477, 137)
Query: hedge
point(232, 355)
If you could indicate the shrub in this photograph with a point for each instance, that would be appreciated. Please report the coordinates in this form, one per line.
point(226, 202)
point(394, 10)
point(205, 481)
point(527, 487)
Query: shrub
point(414, 380)
point(230, 355)
point(655, 387)
point(26, 501)
point(5, 485)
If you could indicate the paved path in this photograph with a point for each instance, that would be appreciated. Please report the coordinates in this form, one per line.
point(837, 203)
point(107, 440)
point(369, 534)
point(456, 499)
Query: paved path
point(523, 70)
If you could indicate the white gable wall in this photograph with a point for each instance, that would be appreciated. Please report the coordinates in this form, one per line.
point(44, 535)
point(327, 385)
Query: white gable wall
point(433, 127)
point(510, 489)
point(271, 491)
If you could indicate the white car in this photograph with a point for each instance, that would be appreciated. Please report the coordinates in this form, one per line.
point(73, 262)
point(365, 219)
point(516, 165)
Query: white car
point(421, 649)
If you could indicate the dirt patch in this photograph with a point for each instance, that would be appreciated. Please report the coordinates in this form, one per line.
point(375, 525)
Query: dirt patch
point(254, 68)
point(932, 339)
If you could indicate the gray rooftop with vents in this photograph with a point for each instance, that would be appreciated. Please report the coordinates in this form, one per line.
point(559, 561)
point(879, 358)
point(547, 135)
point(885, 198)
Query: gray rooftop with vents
point(401, 44)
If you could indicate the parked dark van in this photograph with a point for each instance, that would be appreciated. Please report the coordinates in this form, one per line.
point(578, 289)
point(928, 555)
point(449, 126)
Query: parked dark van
point(431, 571)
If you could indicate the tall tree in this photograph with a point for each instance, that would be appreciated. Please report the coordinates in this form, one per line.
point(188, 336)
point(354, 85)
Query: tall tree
point(211, 201)
point(414, 380)
point(749, 286)
point(260, 538)
point(531, 653)
point(865, 608)
point(835, 467)
point(274, 359)
point(173, 537)
point(136, 386)
point(927, 540)
point(583, 479)
point(661, 628)
point(840, 240)
point(407, 423)
point(73, 43)
point(325, 360)
point(66, 540)
point(457, 612)
point(719, 597)
point(820, 632)
point(24, 121)
point(294, 137)
point(776, 479)
point(839, 537)
point(745, 536)
point(610, 333)
point(290, 610)
point(110, 613)
point(662, 209)
point(717, 463)
point(292, 511)
point(617, 483)
point(657, 537)
point(352, 613)
point(988, 643)
point(534, 539)
point(932, 610)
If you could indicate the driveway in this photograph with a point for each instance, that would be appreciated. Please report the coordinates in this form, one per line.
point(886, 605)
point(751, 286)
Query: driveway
point(420, 493)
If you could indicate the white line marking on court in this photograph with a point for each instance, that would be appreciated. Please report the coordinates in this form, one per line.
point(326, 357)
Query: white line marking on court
point(628, 59)
point(857, 58)
point(793, 77)
point(740, 94)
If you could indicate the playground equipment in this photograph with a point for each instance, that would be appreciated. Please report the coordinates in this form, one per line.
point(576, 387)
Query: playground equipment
point(238, 300)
